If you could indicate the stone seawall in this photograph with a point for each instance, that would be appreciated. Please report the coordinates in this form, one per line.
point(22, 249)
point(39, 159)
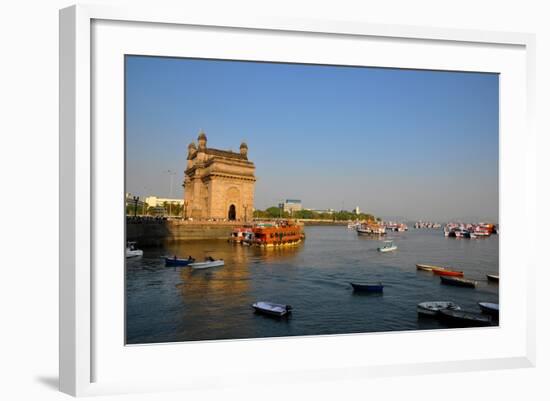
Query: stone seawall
point(157, 233)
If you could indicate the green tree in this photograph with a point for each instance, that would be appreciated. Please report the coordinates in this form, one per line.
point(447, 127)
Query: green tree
point(273, 212)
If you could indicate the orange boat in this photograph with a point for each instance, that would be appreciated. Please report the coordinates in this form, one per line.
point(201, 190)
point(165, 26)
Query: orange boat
point(448, 273)
point(429, 268)
point(282, 233)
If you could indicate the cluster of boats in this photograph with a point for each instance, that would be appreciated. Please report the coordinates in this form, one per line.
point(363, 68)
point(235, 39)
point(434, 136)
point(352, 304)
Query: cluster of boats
point(453, 314)
point(460, 230)
point(453, 277)
point(269, 234)
point(376, 228)
point(396, 227)
point(447, 311)
point(426, 224)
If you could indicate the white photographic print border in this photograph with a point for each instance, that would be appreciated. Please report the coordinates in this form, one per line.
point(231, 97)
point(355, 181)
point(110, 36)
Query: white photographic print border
point(93, 357)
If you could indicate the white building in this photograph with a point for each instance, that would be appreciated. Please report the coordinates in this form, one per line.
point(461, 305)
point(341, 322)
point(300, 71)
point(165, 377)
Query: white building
point(292, 205)
point(153, 201)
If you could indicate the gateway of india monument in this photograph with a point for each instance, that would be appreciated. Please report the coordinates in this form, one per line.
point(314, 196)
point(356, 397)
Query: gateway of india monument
point(218, 184)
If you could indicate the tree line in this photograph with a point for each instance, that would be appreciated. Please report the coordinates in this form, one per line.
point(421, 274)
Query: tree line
point(175, 209)
point(274, 212)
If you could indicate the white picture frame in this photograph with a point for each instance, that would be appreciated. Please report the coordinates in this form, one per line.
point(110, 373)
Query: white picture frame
point(87, 352)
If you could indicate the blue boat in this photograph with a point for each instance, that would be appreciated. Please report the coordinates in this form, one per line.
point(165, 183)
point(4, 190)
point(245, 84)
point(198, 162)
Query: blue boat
point(368, 287)
point(174, 261)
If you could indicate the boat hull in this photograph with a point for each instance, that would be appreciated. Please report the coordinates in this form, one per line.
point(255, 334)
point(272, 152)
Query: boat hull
point(493, 278)
point(367, 287)
point(388, 249)
point(272, 309)
point(451, 273)
point(458, 282)
point(171, 262)
point(432, 308)
point(134, 254)
point(464, 319)
point(206, 265)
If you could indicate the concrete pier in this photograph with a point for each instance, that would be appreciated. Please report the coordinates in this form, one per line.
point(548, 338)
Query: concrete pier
point(155, 233)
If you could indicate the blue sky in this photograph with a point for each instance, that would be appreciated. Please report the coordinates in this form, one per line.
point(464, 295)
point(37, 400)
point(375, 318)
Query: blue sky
point(416, 144)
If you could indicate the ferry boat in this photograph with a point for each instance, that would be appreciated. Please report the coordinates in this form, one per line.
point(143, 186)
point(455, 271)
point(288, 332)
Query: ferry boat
point(280, 233)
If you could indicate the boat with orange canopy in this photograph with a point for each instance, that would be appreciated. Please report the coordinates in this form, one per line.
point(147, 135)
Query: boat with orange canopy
point(280, 233)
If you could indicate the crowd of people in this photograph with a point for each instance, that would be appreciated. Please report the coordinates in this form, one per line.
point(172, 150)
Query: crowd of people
point(146, 219)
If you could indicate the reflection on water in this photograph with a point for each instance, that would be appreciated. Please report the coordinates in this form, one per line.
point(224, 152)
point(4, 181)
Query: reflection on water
point(180, 304)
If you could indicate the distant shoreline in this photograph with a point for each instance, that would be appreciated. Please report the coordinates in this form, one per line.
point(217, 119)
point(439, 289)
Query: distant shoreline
point(323, 223)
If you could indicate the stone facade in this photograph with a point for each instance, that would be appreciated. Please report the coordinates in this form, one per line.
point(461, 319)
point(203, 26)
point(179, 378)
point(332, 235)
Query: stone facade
point(219, 184)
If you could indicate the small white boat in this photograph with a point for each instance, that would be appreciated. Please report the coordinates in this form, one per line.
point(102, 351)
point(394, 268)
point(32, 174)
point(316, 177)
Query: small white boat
point(388, 247)
point(432, 308)
point(209, 262)
point(271, 308)
point(132, 251)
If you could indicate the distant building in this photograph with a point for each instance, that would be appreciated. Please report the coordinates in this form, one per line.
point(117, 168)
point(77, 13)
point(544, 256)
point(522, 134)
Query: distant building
point(292, 205)
point(154, 201)
point(357, 211)
point(322, 211)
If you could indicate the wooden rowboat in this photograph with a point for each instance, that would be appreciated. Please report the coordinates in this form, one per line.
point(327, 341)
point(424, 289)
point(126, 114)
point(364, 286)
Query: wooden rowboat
point(368, 287)
point(272, 309)
point(464, 319)
point(429, 268)
point(448, 273)
point(458, 281)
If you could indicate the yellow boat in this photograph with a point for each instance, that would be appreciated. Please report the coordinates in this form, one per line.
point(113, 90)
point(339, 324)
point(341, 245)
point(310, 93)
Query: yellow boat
point(430, 268)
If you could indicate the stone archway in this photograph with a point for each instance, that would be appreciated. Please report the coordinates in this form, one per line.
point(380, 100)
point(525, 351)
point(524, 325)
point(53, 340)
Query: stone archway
point(232, 213)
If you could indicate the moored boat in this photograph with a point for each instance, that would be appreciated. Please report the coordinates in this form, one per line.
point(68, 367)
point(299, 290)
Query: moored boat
point(132, 251)
point(431, 308)
point(388, 247)
point(282, 233)
point(458, 281)
point(445, 272)
point(272, 309)
point(493, 277)
point(463, 318)
point(209, 262)
point(489, 308)
point(368, 287)
point(429, 268)
point(174, 261)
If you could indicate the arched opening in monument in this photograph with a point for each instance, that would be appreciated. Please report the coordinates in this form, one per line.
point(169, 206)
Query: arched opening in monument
point(232, 215)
